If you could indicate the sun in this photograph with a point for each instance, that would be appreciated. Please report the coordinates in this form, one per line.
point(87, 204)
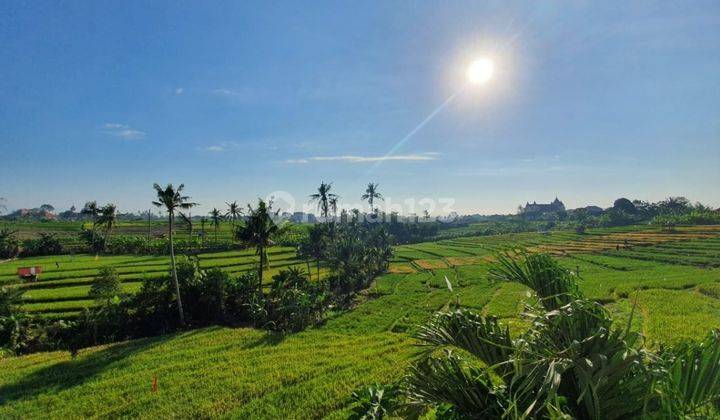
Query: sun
point(481, 70)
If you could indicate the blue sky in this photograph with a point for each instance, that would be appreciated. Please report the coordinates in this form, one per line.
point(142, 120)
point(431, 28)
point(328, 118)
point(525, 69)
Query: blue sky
point(590, 101)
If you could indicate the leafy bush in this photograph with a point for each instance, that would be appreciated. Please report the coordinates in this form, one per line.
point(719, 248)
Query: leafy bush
point(46, 244)
point(21, 334)
point(106, 285)
point(375, 402)
point(615, 217)
point(695, 217)
point(9, 301)
point(9, 244)
point(94, 240)
point(294, 302)
point(572, 362)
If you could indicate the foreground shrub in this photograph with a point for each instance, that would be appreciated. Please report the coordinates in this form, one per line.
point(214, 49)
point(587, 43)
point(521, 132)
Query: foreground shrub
point(294, 303)
point(106, 285)
point(573, 362)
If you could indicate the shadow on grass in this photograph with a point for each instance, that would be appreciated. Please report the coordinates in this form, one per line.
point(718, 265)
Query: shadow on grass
point(71, 373)
point(269, 338)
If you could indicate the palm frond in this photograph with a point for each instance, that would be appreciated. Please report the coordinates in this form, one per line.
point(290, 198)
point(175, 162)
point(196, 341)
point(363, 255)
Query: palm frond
point(449, 380)
point(552, 283)
point(693, 376)
point(482, 337)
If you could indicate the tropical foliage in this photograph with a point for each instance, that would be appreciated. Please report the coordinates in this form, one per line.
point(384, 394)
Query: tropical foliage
point(172, 200)
point(325, 199)
point(573, 361)
point(259, 231)
point(45, 244)
point(9, 244)
point(371, 194)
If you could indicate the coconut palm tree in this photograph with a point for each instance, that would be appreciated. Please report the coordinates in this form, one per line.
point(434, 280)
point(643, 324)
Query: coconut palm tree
point(172, 200)
point(259, 231)
point(187, 219)
point(91, 209)
point(323, 197)
point(215, 219)
point(234, 211)
point(371, 194)
point(333, 203)
point(203, 222)
point(107, 218)
point(314, 246)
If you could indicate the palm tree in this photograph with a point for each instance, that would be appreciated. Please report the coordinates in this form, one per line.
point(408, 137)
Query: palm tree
point(91, 209)
point(333, 203)
point(215, 218)
point(107, 218)
point(371, 194)
point(259, 231)
point(172, 200)
point(203, 222)
point(187, 219)
point(323, 197)
point(234, 211)
point(314, 246)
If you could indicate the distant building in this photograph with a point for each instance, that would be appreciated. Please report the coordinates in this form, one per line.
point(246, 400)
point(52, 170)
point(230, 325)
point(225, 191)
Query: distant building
point(301, 217)
point(536, 210)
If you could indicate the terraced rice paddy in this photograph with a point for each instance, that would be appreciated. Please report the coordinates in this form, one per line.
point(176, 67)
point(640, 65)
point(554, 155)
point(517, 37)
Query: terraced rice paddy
point(62, 288)
point(68, 232)
point(673, 280)
point(674, 277)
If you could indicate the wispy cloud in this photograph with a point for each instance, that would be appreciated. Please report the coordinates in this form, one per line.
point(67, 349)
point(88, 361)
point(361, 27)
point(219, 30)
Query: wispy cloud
point(221, 147)
point(365, 159)
point(227, 92)
point(179, 91)
point(124, 131)
point(215, 148)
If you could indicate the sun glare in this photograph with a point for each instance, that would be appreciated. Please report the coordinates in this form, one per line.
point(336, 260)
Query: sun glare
point(480, 70)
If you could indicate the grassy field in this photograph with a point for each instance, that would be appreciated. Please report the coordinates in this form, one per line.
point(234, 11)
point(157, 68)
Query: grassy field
point(673, 278)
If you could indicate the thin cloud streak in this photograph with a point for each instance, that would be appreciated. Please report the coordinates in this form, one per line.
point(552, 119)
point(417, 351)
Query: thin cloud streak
point(364, 159)
point(124, 131)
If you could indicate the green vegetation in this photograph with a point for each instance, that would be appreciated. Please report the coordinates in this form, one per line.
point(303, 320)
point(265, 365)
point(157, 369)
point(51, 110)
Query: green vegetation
point(572, 362)
point(314, 372)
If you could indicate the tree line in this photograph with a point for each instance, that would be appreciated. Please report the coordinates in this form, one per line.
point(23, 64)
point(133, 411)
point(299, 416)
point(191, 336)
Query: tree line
point(351, 255)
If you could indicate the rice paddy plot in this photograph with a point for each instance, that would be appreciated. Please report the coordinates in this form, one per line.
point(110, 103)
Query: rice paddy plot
point(65, 280)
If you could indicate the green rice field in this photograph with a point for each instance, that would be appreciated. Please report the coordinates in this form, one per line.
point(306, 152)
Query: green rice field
point(672, 279)
point(62, 288)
